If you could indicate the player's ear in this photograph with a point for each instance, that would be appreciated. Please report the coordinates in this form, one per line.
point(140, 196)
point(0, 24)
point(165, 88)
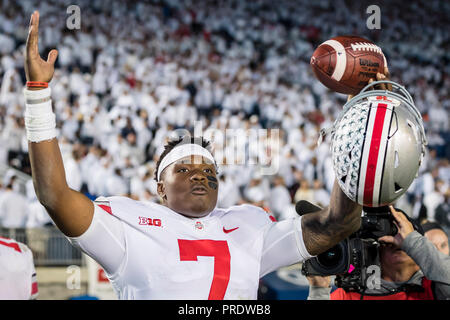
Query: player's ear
point(161, 190)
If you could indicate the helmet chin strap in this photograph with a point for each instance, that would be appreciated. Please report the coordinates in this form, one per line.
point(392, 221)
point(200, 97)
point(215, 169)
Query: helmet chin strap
point(323, 133)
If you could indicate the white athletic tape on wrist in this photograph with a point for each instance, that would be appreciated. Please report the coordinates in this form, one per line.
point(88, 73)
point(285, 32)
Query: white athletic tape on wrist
point(182, 151)
point(36, 94)
point(36, 110)
point(40, 121)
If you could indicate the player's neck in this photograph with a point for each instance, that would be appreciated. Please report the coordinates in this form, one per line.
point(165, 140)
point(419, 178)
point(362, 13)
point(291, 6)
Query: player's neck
point(191, 216)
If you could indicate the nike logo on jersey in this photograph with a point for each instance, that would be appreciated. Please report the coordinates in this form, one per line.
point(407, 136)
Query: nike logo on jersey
point(229, 230)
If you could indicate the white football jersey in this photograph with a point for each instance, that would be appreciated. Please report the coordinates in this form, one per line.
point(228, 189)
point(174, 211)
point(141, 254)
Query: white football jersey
point(149, 251)
point(17, 272)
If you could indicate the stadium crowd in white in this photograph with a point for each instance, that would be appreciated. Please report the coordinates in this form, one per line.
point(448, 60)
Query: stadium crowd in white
point(136, 71)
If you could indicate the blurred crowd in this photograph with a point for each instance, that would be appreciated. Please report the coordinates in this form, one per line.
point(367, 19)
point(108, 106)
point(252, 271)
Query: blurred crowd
point(138, 70)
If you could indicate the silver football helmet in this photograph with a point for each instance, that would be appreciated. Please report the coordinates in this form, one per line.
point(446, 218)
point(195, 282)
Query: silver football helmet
point(378, 143)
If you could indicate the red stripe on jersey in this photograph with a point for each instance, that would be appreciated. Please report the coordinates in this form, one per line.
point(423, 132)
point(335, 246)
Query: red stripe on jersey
point(34, 288)
point(372, 160)
point(13, 245)
point(106, 208)
point(101, 276)
point(271, 217)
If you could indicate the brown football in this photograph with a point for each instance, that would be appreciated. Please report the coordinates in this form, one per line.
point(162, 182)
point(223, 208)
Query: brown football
point(346, 63)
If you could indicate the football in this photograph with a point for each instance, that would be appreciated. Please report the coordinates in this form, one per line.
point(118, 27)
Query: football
point(345, 64)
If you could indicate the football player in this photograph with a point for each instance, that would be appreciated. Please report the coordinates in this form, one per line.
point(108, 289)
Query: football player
point(17, 272)
point(186, 248)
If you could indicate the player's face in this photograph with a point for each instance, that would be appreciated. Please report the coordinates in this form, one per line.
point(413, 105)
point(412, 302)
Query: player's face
point(189, 186)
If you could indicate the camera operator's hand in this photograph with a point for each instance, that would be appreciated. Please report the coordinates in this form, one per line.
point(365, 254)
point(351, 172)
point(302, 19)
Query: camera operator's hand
point(319, 281)
point(404, 229)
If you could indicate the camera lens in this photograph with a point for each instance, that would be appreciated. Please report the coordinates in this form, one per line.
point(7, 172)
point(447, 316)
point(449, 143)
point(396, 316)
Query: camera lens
point(330, 258)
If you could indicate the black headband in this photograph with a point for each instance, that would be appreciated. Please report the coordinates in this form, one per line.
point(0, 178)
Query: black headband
point(427, 226)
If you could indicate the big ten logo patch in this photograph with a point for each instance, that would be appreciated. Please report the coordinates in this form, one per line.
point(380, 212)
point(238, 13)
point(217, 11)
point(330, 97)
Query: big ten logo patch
point(144, 221)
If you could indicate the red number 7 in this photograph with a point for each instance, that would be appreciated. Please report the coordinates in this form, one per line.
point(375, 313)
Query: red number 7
point(191, 249)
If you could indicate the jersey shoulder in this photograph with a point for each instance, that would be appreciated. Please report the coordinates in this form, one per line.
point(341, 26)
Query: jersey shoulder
point(126, 208)
point(15, 245)
point(16, 248)
point(249, 214)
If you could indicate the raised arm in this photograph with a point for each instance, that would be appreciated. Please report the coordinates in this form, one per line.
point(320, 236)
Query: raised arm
point(324, 229)
point(70, 210)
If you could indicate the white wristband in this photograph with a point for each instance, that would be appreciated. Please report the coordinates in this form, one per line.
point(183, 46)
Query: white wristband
point(31, 96)
point(40, 121)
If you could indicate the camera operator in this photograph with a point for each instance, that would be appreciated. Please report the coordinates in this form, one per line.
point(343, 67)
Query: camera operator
point(436, 234)
point(412, 268)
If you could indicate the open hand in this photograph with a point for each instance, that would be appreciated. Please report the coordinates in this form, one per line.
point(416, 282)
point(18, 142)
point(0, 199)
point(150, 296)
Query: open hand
point(36, 69)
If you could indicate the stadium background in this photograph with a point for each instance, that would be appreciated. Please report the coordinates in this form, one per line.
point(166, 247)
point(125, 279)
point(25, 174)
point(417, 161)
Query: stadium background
point(137, 70)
